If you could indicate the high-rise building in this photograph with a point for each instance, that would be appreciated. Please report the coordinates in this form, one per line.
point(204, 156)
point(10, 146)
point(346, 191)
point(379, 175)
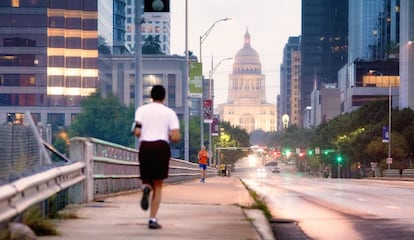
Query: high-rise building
point(370, 29)
point(290, 50)
point(119, 28)
point(324, 43)
point(295, 106)
point(111, 26)
point(406, 91)
point(155, 23)
point(166, 70)
point(246, 106)
point(48, 58)
point(373, 54)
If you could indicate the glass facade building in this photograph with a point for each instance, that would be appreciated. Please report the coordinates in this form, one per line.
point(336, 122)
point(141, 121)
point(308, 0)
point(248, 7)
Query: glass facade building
point(48, 56)
point(406, 90)
point(324, 44)
point(292, 46)
point(373, 28)
point(155, 24)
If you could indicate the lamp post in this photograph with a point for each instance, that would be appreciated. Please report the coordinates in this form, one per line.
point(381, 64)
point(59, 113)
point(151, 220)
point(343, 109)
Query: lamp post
point(389, 159)
point(138, 58)
point(205, 35)
point(186, 113)
point(210, 80)
point(202, 39)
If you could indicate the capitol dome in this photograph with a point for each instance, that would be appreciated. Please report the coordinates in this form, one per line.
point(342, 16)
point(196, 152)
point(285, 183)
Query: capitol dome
point(247, 59)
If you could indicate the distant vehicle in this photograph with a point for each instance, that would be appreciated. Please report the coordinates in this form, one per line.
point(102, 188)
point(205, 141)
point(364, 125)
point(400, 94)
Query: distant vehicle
point(275, 169)
point(290, 162)
point(271, 163)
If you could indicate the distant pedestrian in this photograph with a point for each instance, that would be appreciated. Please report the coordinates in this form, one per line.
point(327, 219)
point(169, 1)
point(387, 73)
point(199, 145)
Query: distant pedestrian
point(223, 169)
point(203, 157)
point(156, 126)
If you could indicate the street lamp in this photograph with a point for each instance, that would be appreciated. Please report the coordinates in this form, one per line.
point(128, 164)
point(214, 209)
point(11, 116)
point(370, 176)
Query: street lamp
point(210, 79)
point(202, 39)
point(389, 159)
point(138, 57)
point(205, 35)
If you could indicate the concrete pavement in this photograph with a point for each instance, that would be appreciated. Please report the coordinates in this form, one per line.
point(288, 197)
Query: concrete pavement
point(190, 210)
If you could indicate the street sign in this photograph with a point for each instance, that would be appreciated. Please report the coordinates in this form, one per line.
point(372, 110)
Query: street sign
point(385, 134)
point(389, 160)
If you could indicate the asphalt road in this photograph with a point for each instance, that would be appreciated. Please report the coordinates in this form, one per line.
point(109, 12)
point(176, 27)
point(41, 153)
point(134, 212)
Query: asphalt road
point(317, 208)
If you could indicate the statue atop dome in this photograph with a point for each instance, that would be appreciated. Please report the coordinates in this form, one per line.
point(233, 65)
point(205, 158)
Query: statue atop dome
point(247, 38)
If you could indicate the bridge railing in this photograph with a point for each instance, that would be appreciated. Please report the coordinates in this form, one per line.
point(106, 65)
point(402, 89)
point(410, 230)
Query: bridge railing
point(19, 195)
point(111, 168)
point(96, 169)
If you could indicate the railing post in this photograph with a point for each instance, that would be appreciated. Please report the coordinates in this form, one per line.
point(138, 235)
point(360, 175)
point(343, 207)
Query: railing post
point(81, 150)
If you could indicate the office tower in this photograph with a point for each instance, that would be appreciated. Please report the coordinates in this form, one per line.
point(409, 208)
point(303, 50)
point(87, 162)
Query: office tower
point(111, 27)
point(373, 29)
point(289, 69)
point(407, 55)
point(154, 24)
point(373, 54)
point(48, 59)
point(324, 43)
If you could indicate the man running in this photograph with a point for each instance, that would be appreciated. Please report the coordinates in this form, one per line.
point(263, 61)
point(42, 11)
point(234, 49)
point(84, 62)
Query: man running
point(156, 125)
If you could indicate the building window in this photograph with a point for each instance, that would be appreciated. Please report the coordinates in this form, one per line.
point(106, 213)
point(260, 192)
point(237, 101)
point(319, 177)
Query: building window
point(56, 119)
point(19, 42)
point(171, 90)
point(15, 3)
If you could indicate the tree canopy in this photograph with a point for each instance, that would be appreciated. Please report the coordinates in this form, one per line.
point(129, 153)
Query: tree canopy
point(108, 119)
point(104, 118)
point(356, 137)
point(152, 45)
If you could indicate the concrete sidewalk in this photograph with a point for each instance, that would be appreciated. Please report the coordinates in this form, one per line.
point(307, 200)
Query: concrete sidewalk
point(190, 210)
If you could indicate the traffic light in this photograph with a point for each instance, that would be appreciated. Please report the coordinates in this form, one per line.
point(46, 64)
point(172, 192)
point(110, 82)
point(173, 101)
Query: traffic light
point(339, 158)
point(310, 152)
point(325, 152)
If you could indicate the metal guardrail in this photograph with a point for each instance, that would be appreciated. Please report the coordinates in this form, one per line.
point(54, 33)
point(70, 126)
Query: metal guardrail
point(19, 195)
point(115, 168)
point(96, 169)
point(405, 174)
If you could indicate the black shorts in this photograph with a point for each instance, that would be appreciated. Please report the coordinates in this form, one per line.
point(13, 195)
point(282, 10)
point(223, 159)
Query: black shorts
point(154, 159)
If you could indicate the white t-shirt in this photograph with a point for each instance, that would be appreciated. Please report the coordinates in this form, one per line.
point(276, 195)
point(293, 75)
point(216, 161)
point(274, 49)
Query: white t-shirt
point(157, 121)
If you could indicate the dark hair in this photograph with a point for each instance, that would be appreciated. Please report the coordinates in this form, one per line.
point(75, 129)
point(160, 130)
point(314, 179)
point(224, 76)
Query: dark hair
point(158, 93)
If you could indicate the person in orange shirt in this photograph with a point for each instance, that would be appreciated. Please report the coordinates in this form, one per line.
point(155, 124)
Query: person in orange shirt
point(202, 162)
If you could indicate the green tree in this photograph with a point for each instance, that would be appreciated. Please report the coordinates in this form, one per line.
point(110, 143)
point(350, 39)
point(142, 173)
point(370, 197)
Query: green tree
point(236, 137)
point(378, 150)
point(60, 141)
point(104, 118)
point(230, 136)
point(152, 45)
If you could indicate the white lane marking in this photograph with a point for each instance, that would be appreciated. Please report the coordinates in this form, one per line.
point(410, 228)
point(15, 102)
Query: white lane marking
point(392, 207)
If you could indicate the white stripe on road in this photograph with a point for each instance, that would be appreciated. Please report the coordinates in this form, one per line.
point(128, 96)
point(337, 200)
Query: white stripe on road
point(392, 207)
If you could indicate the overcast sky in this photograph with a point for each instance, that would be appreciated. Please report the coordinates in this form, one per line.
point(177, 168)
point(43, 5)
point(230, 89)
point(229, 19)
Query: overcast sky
point(269, 22)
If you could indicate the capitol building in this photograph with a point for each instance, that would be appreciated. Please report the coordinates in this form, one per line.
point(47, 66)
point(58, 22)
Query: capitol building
point(246, 106)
